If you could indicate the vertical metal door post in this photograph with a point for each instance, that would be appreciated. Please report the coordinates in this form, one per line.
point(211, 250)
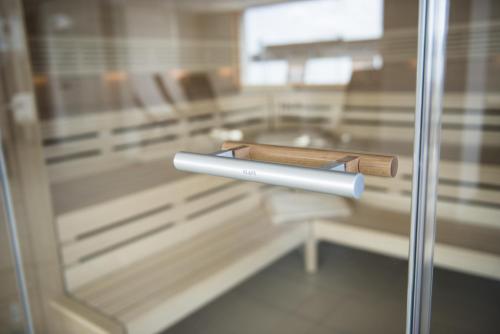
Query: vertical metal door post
point(433, 25)
point(14, 241)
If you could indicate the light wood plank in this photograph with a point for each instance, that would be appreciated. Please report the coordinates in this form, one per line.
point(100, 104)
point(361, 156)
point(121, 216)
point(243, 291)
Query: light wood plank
point(208, 289)
point(81, 248)
point(102, 214)
point(195, 257)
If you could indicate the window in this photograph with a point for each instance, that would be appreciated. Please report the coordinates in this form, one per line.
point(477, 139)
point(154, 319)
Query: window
point(306, 22)
point(267, 72)
point(328, 71)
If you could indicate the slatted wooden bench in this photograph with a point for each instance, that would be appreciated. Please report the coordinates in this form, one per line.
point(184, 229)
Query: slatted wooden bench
point(151, 258)
point(468, 228)
point(141, 245)
point(149, 232)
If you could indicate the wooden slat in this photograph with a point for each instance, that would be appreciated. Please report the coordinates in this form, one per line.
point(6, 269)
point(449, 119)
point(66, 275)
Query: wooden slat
point(139, 135)
point(451, 100)
point(408, 116)
point(470, 172)
point(309, 97)
point(208, 287)
point(455, 191)
point(102, 214)
point(100, 291)
point(202, 124)
point(71, 127)
point(475, 209)
point(68, 148)
point(133, 120)
point(240, 116)
point(464, 213)
point(204, 270)
point(472, 193)
point(74, 125)
point(148, 151)
point(469, 214)
point(124, 256)
point(201, 267)
point(381, 132)
point(84, 247)
point(73, 169)
point(458, 170)
point(456, 258)
point(360, 99)
point(193, 255)
point(228, 103)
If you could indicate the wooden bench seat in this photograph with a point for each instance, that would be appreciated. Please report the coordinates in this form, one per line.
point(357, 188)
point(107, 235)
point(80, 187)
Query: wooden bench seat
point(468, 207)
point(473, 237)
point(467, 228)
point(160, 289)
point(146, 253)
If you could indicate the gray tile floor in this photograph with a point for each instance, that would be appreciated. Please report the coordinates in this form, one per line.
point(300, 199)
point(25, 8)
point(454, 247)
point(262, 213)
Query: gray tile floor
point(353, 292)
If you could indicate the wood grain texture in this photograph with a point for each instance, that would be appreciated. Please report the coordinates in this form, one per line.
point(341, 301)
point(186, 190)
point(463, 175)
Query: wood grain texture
point(369, 164)
point(71, 316)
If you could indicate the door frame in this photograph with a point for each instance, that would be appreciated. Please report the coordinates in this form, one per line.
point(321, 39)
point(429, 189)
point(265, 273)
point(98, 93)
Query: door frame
point(432, 35)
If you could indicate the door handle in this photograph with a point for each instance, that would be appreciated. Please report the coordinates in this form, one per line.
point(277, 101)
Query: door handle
point(325, 171)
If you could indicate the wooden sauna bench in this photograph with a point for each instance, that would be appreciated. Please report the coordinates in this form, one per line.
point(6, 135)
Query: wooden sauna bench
point(467, 238)
point(383, 122)
point(144, 246)
point(105, 251)
point(468, 230)
point(468, 209)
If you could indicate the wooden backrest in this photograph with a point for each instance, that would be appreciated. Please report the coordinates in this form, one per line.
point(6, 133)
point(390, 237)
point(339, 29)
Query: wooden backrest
point(389, 116)
point(469, 192)
point(98, 239)
point(320, 110)
point(92, 143)
point(476, 202)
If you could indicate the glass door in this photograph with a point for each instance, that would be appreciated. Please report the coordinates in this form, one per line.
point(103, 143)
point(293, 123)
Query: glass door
point(121, 242)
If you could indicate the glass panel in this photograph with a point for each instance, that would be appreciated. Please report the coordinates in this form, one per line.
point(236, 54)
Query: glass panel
point(466, 291)
point(123, 85)
point(11, 312)
point(23, 194)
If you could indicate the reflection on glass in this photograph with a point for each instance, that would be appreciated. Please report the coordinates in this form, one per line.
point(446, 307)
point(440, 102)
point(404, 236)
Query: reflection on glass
point(123, 85)
point(11, 312)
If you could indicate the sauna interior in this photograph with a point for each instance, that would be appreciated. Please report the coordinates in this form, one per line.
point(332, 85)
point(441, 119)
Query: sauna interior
point(115, 240)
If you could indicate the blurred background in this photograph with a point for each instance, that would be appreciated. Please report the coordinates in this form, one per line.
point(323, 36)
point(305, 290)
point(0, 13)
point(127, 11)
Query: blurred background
point(97, 96)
